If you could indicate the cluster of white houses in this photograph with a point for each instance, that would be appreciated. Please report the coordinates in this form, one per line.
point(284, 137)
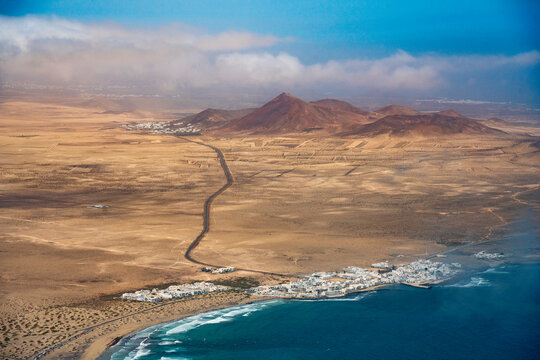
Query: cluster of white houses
point(319, 284)
point(163, 127)
point(220, 270)
point(174, 292)
point(352, 279)
point(482, 255)
point(382, 265)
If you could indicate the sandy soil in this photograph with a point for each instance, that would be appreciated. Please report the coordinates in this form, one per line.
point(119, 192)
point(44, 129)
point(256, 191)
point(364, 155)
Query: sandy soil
point(299, 204)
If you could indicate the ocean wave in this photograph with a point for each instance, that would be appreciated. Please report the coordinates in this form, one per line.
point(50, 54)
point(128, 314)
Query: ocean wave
point(494, 271)
point(139, 352)
point(217, 316)
point(474, 281)
point(166, 342)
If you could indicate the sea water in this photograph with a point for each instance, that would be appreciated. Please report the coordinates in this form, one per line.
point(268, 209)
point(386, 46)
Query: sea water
point(489, 312)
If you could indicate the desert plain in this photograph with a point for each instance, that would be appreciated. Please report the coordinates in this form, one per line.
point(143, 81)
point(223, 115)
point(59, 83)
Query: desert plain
point(299, 203)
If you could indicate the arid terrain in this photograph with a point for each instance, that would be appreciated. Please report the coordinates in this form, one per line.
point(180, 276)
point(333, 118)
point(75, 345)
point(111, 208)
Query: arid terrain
point(301, 201)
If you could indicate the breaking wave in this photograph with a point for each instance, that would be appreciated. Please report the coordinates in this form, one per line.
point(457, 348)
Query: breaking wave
point(475, 281)
point(494, 271)
point(140, 351)
point(217, 316)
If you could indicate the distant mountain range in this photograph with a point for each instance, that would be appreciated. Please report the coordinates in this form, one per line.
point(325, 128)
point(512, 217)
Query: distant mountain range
point(288, 114)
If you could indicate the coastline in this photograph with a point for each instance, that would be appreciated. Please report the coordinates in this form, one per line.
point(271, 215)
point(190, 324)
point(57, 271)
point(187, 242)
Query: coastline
point(332, 325)
point(94, 343)
point(99, 349)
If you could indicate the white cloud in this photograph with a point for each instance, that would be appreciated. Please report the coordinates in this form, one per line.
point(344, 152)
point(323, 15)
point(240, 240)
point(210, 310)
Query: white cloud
point(53, 51)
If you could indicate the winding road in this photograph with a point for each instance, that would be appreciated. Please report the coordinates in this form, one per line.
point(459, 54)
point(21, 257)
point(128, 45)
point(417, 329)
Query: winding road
point(207, 209)
point(208, 202)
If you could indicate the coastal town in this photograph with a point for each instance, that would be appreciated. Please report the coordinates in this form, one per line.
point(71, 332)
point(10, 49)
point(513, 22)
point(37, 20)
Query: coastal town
point(317, 285)
point(352, 279)
point(174, 292)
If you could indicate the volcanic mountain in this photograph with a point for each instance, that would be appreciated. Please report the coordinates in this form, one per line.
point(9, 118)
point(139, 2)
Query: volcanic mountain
point(286, 113)
point(211, 118)
point(435, 124)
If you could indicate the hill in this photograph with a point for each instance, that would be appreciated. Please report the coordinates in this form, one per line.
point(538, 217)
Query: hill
point(423, 125)
point(210, 118)
point(286, 113)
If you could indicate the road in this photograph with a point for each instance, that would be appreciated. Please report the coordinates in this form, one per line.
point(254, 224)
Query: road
point(207, 210)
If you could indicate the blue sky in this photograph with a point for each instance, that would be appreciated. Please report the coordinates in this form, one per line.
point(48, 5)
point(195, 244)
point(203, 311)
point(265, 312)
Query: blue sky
point(318, 32)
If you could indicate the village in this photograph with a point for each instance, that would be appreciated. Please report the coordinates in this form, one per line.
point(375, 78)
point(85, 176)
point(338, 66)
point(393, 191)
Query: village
point(317, 285)
point(174, 292)
point(352, 279)
point(163, 127)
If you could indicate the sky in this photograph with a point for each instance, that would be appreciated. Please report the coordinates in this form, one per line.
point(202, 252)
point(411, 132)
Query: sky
point(479, 50)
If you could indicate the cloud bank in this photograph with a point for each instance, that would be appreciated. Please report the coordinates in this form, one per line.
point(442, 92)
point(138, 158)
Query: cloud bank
point(59, 52)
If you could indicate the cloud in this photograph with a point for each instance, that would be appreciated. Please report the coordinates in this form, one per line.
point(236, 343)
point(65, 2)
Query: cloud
point(23, 33)
point(60, 52)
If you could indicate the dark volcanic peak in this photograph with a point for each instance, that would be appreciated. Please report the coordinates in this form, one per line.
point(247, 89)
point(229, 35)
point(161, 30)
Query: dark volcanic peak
point(334, 104)
point(397, 110)
point(286, 113)
point(423, 125)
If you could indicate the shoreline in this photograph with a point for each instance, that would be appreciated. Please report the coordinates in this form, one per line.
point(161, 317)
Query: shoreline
point(287, 309)
point(107, 350)
point(94, 342)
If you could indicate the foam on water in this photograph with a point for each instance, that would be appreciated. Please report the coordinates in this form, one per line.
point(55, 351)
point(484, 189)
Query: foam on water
point(140, 351)
point(217, 316)
point(475, 281)
point(495, 271)
point(169, 342)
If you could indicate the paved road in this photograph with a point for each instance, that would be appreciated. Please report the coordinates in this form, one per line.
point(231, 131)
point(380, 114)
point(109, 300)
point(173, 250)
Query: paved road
point(207, 209)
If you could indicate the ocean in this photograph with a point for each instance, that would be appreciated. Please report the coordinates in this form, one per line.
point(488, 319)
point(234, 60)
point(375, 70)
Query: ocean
point(491, 311)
